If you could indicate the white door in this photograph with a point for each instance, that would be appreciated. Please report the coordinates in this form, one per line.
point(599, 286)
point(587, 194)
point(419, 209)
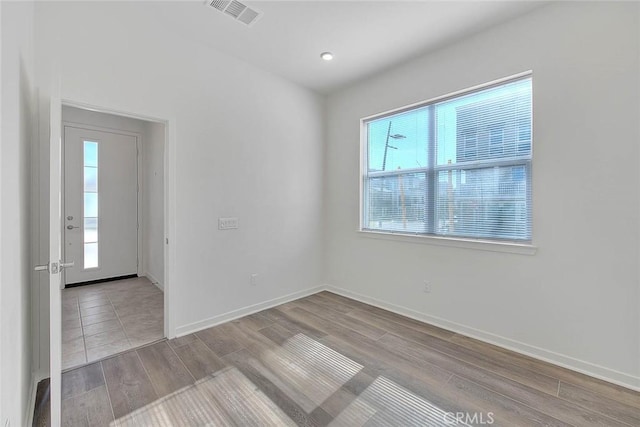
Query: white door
point(100, 204)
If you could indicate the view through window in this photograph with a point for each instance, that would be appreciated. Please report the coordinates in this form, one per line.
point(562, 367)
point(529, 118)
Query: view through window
point(90, 204)
point(458, 167)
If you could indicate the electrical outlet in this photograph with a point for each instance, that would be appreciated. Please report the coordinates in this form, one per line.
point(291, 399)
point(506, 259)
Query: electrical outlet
point(254, 279)
point(427, 287)
point(227, 223)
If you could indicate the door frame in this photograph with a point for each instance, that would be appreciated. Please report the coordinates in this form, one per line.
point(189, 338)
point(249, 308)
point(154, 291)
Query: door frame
point(55, 252)
point(139, 183)
point(169, 199)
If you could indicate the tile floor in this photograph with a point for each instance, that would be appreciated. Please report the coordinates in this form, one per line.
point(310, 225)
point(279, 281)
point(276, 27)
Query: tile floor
point(107, 318)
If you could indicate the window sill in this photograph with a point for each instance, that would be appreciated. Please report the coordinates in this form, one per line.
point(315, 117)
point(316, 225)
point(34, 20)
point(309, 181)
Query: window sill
point(484, 245)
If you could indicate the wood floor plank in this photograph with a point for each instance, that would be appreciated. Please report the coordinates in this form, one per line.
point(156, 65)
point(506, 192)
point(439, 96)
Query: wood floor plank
point(177, 342)
point(254, 371)
point(327, 304)
point(128, 384)
point(529, 396)
point(426, 380)
point(438, 393)
point(393, 322)
point(199, 359)
point(526, 376)
point(357, 325)
point(454, 357)
point(390, 316)
point(348, 303)
point(165, 369)
point(373, 354)
point(414, 367)
point(242, 402)
point(305, 369)
point(278, 333)
point(81, 380)
point(387, 403)
point(255, 321)
point(283, 319)
point(346, 394)
point(220, 339)
point(286, 306)
point(273, 375)
point(613, 391)
point(596, 402)
point(505, 411)
point(90, 409)
point(252, 340)
point(189, 408)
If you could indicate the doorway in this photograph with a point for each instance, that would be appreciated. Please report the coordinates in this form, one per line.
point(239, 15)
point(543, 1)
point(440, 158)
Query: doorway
point(113, 229)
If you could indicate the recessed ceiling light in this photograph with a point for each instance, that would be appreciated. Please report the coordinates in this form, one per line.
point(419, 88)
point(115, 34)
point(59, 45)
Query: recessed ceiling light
point(327, 56)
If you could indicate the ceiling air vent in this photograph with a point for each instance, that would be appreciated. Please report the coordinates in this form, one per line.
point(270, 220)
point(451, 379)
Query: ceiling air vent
point(238, 11)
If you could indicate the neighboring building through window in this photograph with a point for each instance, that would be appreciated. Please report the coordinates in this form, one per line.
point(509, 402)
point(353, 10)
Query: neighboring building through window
point(90, 204)
point(459, 166)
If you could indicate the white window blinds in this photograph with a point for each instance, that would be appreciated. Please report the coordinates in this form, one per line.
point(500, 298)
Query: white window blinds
point(456, 167)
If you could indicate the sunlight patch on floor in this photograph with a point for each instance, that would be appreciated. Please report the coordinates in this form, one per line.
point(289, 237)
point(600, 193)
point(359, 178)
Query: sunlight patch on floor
point(386, 403)
point(307, 371)
point(225, 398)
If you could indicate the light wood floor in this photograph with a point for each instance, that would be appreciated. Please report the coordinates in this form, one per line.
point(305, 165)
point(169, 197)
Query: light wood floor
point(328, 360)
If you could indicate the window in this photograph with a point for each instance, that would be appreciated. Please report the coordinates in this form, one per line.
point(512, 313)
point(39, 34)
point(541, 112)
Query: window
point(90, 204)
point(459, 166)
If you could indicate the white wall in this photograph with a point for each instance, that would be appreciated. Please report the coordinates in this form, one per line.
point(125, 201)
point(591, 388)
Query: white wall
point(15, 226)
point(247, 144)
point(576, 301)
point(153, 203)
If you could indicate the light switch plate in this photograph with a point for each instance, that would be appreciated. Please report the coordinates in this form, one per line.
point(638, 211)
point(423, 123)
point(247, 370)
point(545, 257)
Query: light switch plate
point(227, 223)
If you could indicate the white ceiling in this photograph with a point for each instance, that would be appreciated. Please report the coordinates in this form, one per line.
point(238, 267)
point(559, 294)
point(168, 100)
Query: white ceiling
point(365, 36)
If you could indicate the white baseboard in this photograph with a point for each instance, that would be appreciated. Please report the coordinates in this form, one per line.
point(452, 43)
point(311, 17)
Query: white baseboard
point(153, 280)
point(235, 314)
point(587, 368)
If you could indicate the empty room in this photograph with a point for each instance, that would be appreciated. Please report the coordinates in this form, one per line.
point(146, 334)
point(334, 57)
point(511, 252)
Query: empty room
point(345, 213)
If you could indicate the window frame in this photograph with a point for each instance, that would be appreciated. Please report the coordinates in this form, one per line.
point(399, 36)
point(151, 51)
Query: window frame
point(431, 170)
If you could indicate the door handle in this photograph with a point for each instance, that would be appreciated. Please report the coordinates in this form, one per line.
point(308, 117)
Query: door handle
point(71, 227)
point(44, 267)
point(51, 268)
point(55, 266)
point(64, 265)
